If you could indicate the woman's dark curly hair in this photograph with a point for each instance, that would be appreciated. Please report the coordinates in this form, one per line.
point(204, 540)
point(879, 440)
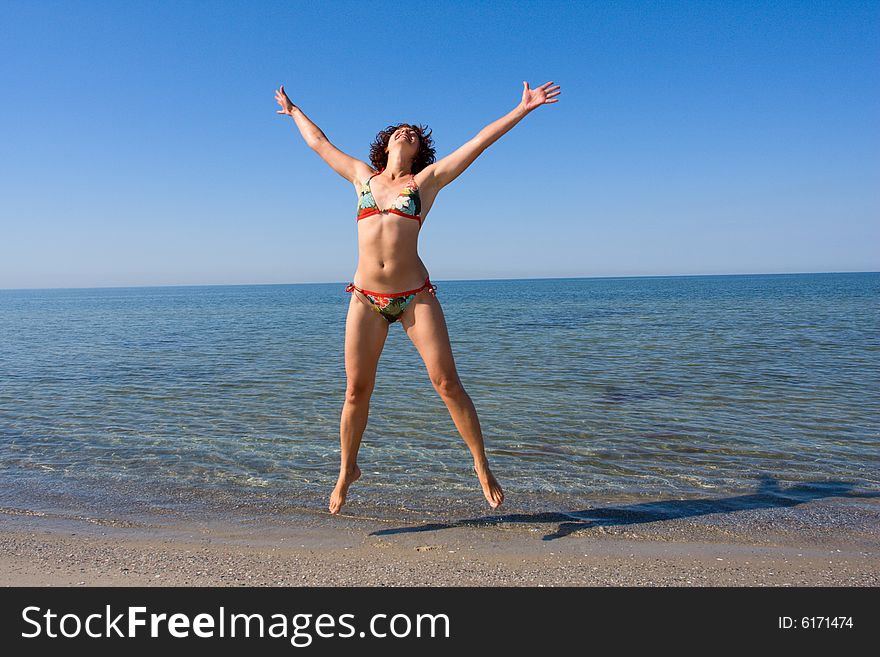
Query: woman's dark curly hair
point(423, 158)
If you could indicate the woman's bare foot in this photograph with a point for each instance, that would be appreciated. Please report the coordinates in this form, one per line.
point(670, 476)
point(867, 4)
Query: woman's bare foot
point(491, 487)
point(337, 498)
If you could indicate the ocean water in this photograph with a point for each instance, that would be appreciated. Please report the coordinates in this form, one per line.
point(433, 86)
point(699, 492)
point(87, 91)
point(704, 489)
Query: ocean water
point(589, 391)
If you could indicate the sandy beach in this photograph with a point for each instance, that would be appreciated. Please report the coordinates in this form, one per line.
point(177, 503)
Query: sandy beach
point(824, 543)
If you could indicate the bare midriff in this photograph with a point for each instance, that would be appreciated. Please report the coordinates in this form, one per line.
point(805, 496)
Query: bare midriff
point(388, 251)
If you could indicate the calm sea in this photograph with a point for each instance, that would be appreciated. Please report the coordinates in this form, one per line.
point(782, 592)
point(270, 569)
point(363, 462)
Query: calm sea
point(589, 391)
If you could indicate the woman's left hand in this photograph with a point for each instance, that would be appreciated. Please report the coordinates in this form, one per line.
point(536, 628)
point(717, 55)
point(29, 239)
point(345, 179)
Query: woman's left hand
point(543, 95)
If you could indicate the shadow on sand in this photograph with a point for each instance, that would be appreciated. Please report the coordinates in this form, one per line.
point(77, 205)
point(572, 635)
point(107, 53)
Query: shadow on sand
point(768, 495)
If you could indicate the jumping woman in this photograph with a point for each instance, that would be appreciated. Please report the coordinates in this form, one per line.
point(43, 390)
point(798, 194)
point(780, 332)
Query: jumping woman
point(391, 282)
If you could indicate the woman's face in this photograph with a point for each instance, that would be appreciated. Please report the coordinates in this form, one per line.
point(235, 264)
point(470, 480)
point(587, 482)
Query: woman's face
point(406, 139)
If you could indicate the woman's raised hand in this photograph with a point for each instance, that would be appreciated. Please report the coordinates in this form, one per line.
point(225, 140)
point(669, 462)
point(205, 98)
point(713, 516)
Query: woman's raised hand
point(286, 106)
point(533, 98)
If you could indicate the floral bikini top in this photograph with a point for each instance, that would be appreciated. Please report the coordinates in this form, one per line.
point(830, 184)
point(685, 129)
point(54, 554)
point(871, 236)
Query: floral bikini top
point(407, 204)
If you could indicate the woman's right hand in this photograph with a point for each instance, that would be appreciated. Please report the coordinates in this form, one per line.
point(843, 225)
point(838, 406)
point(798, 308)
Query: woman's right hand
point(287, 107)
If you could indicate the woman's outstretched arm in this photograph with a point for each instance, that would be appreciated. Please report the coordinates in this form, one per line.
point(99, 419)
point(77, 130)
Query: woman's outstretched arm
point(345, 165)
point(311, 133)
point(446, 170)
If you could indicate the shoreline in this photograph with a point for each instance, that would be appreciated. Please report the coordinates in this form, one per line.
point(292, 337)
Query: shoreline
point(821, 543)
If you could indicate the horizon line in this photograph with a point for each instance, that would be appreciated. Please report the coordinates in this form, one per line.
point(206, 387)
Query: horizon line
point(531, 278)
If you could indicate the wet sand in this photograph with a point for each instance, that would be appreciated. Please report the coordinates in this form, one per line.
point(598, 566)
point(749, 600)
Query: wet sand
point(822, 543)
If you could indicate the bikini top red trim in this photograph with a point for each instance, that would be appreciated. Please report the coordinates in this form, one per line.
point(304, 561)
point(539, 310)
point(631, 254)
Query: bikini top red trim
point(407, 204)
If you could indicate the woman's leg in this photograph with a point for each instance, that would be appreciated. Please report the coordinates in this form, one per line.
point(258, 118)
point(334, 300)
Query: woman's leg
point(365, 333)
point(425, 325)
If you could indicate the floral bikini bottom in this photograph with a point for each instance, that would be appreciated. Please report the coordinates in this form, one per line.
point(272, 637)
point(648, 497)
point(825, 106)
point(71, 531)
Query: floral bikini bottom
point(391, 306)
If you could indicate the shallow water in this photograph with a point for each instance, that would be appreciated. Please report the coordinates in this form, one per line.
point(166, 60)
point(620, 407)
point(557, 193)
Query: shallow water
point(588, 390)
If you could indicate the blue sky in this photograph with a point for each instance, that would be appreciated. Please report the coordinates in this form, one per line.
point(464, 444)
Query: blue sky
point(141, 145)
